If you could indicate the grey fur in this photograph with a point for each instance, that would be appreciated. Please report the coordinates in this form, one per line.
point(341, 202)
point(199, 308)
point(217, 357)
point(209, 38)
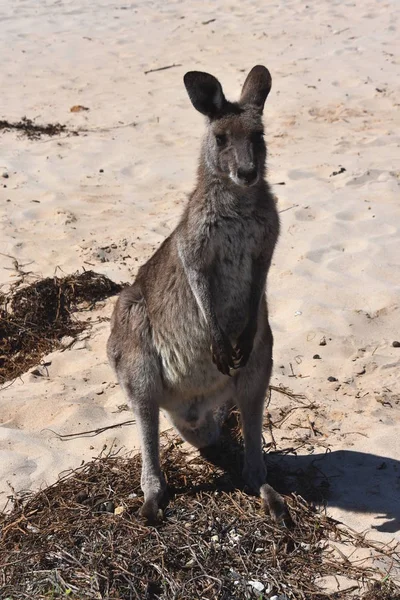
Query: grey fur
point(191, 335)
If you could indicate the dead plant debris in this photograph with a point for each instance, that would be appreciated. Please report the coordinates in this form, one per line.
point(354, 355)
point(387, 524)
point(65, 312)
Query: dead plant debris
point(33, 131)
point(34, 318)
point(78, 108)
point(82, 538)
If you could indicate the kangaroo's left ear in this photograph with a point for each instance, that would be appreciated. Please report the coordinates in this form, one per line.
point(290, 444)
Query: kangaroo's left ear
point(256, 87)
point(205, 92)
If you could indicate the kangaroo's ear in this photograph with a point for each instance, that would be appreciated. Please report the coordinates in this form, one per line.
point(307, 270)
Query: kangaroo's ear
point(205, 92)
point(256, 87)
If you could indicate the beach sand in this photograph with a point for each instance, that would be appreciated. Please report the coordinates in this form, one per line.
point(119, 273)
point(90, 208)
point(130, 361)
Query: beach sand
point(104, 200)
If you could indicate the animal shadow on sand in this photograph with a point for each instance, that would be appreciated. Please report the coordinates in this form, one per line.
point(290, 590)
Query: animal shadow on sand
point(351, 480)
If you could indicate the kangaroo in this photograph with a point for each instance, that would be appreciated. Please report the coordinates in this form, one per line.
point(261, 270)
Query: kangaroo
point(191, 335)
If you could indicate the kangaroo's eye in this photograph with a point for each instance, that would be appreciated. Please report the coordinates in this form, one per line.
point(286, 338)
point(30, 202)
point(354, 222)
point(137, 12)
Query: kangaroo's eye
point(257, 137)
point(221, 139)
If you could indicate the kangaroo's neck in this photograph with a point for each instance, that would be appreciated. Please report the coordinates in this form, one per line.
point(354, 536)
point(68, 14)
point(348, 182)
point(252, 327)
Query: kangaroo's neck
point(218, 190)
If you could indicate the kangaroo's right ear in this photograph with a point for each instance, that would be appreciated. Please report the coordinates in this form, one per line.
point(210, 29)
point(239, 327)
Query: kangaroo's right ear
point(205, 92)
point(256, 87)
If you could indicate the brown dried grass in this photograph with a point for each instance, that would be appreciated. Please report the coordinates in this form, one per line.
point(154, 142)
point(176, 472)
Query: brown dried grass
point(34, 318)
point(82, 538)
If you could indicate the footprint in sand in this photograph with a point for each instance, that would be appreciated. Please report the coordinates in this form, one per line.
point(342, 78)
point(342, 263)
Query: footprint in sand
point(296, 174)
point(367, 177)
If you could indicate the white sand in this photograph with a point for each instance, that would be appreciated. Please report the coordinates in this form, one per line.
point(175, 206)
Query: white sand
point(336, 270)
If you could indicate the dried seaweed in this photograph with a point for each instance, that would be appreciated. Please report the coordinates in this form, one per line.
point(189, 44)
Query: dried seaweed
point(32, 130)
point(82, 538)
point(34, 318)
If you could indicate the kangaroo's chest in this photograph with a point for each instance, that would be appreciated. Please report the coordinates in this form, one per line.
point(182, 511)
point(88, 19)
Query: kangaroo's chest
point(238, 243)
point(235, 247)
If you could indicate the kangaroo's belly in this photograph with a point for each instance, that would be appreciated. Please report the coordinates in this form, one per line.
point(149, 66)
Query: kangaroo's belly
point(183, 343)
point(189, 372)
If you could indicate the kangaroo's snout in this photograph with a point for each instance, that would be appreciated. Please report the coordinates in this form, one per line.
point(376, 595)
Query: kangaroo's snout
point(247, 175)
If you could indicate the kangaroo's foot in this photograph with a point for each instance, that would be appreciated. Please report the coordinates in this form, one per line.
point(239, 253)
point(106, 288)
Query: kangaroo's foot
point(275, 506)
point(154, 498)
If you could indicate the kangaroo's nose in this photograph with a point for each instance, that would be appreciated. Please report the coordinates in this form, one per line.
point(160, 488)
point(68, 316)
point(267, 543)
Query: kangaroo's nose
point(247, 175)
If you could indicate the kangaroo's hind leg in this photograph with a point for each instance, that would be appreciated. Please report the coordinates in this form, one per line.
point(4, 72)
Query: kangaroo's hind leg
point(134, 359)
point(251, 387)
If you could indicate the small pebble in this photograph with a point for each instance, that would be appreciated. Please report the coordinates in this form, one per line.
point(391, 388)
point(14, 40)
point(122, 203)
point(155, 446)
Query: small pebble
point(396, 344)
point(101, 170)
point(5, 175)
point(190, 563)
point(107, 506)
point(257, 585)
point(332, 378)
point(317, 357)
point(323, 342)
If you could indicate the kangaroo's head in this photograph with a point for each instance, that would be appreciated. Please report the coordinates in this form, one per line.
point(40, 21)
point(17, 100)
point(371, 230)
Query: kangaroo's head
point(234, 146)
